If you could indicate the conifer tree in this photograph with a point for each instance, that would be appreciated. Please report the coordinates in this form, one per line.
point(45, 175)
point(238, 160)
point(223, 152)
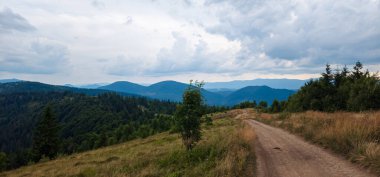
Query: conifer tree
point(275, 107)
point(263, 105)
point(188, 115)
point(46, 137)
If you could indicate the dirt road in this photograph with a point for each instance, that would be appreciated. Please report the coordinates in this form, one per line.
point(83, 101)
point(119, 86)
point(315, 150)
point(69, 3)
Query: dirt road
point(280, 154)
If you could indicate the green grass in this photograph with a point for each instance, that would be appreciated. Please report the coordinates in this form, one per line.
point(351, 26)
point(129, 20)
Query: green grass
point(226, 149)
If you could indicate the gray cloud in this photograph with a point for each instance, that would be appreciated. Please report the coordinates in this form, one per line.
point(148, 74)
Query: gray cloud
point(185, 57)
point(321, 31)
point(32, 55)
point(98, 4)
point(25, 52)
point(122, 65)
point(236, 39)
point(10, 21)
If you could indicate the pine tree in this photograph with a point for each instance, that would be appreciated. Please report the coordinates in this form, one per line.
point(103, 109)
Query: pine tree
point(46, 137)
point(188, 115)
point(357, 73)
point(263, 105)
point(328, 76)
point(275, 107)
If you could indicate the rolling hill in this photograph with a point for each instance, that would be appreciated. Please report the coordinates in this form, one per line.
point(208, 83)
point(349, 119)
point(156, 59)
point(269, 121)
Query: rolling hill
point(9, 80)
point(172, 90)
point(258, 93)
point(165, 90)
point(27, 86)
point(291, 84)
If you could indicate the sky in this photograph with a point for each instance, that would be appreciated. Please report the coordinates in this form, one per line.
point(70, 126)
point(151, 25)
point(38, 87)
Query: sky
point(146, 41)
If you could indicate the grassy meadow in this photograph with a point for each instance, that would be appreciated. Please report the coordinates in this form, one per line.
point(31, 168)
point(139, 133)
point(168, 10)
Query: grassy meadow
point(226, 149)
point(354, 135)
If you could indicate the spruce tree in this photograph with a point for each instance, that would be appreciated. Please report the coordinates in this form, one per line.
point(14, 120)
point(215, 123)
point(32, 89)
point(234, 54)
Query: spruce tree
point(275, 107)
point(46, 137)
point(188, 115)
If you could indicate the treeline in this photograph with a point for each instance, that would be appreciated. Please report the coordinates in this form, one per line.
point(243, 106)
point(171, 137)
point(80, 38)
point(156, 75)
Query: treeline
point(340, 90)
point(346, 90)
point(276, 106)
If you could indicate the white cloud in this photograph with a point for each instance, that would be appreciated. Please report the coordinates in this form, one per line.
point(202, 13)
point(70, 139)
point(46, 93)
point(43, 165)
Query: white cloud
point(22, 50)
point(82, 41)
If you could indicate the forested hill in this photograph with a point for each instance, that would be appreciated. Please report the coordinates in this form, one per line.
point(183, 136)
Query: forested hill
point(166, 90)
point(86, 121)
point(171, 90)
point(26, 86)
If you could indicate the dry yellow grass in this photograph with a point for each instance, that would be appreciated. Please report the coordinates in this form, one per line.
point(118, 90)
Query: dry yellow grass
point(354, 135)
point(226, 149)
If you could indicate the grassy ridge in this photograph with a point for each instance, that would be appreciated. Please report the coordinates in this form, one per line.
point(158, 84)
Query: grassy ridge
point(226, 149)
point(354, 135)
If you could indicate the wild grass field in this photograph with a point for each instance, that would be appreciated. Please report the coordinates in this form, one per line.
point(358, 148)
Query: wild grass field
point(354, 135)
point(226, 149)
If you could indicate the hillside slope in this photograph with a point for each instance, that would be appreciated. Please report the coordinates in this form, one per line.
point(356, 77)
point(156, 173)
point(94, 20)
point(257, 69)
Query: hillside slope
point(27, 86)
point(86, 122)
point(258, 93)
point(226, 149)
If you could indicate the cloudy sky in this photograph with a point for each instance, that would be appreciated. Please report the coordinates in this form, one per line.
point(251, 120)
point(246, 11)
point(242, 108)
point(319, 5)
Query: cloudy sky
point(144, 41)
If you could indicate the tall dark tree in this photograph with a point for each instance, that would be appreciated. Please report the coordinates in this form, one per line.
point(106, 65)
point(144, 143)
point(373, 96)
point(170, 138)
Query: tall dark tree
point(275, 107)
point(46, 136)
point(263, 105)
point(327, 76)
point(357, 73)
point(188, 115)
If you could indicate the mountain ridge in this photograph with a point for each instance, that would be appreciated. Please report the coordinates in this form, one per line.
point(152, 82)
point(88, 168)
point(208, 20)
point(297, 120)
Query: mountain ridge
point(172, 90)
point(291, 84)
point(165, 90)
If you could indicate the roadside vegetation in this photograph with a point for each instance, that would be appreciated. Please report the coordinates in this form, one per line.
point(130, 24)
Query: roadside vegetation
point(353, 135)
point(342, 90)
point(336, 90)
point(226, 149)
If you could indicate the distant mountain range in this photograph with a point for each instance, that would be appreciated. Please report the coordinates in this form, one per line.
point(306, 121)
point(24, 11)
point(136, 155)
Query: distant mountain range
point(167, 90)
point(258, 93)
point(27, 86)
point(87, 86)
point(9, 80)
point(291, 84)
point(172, 90)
